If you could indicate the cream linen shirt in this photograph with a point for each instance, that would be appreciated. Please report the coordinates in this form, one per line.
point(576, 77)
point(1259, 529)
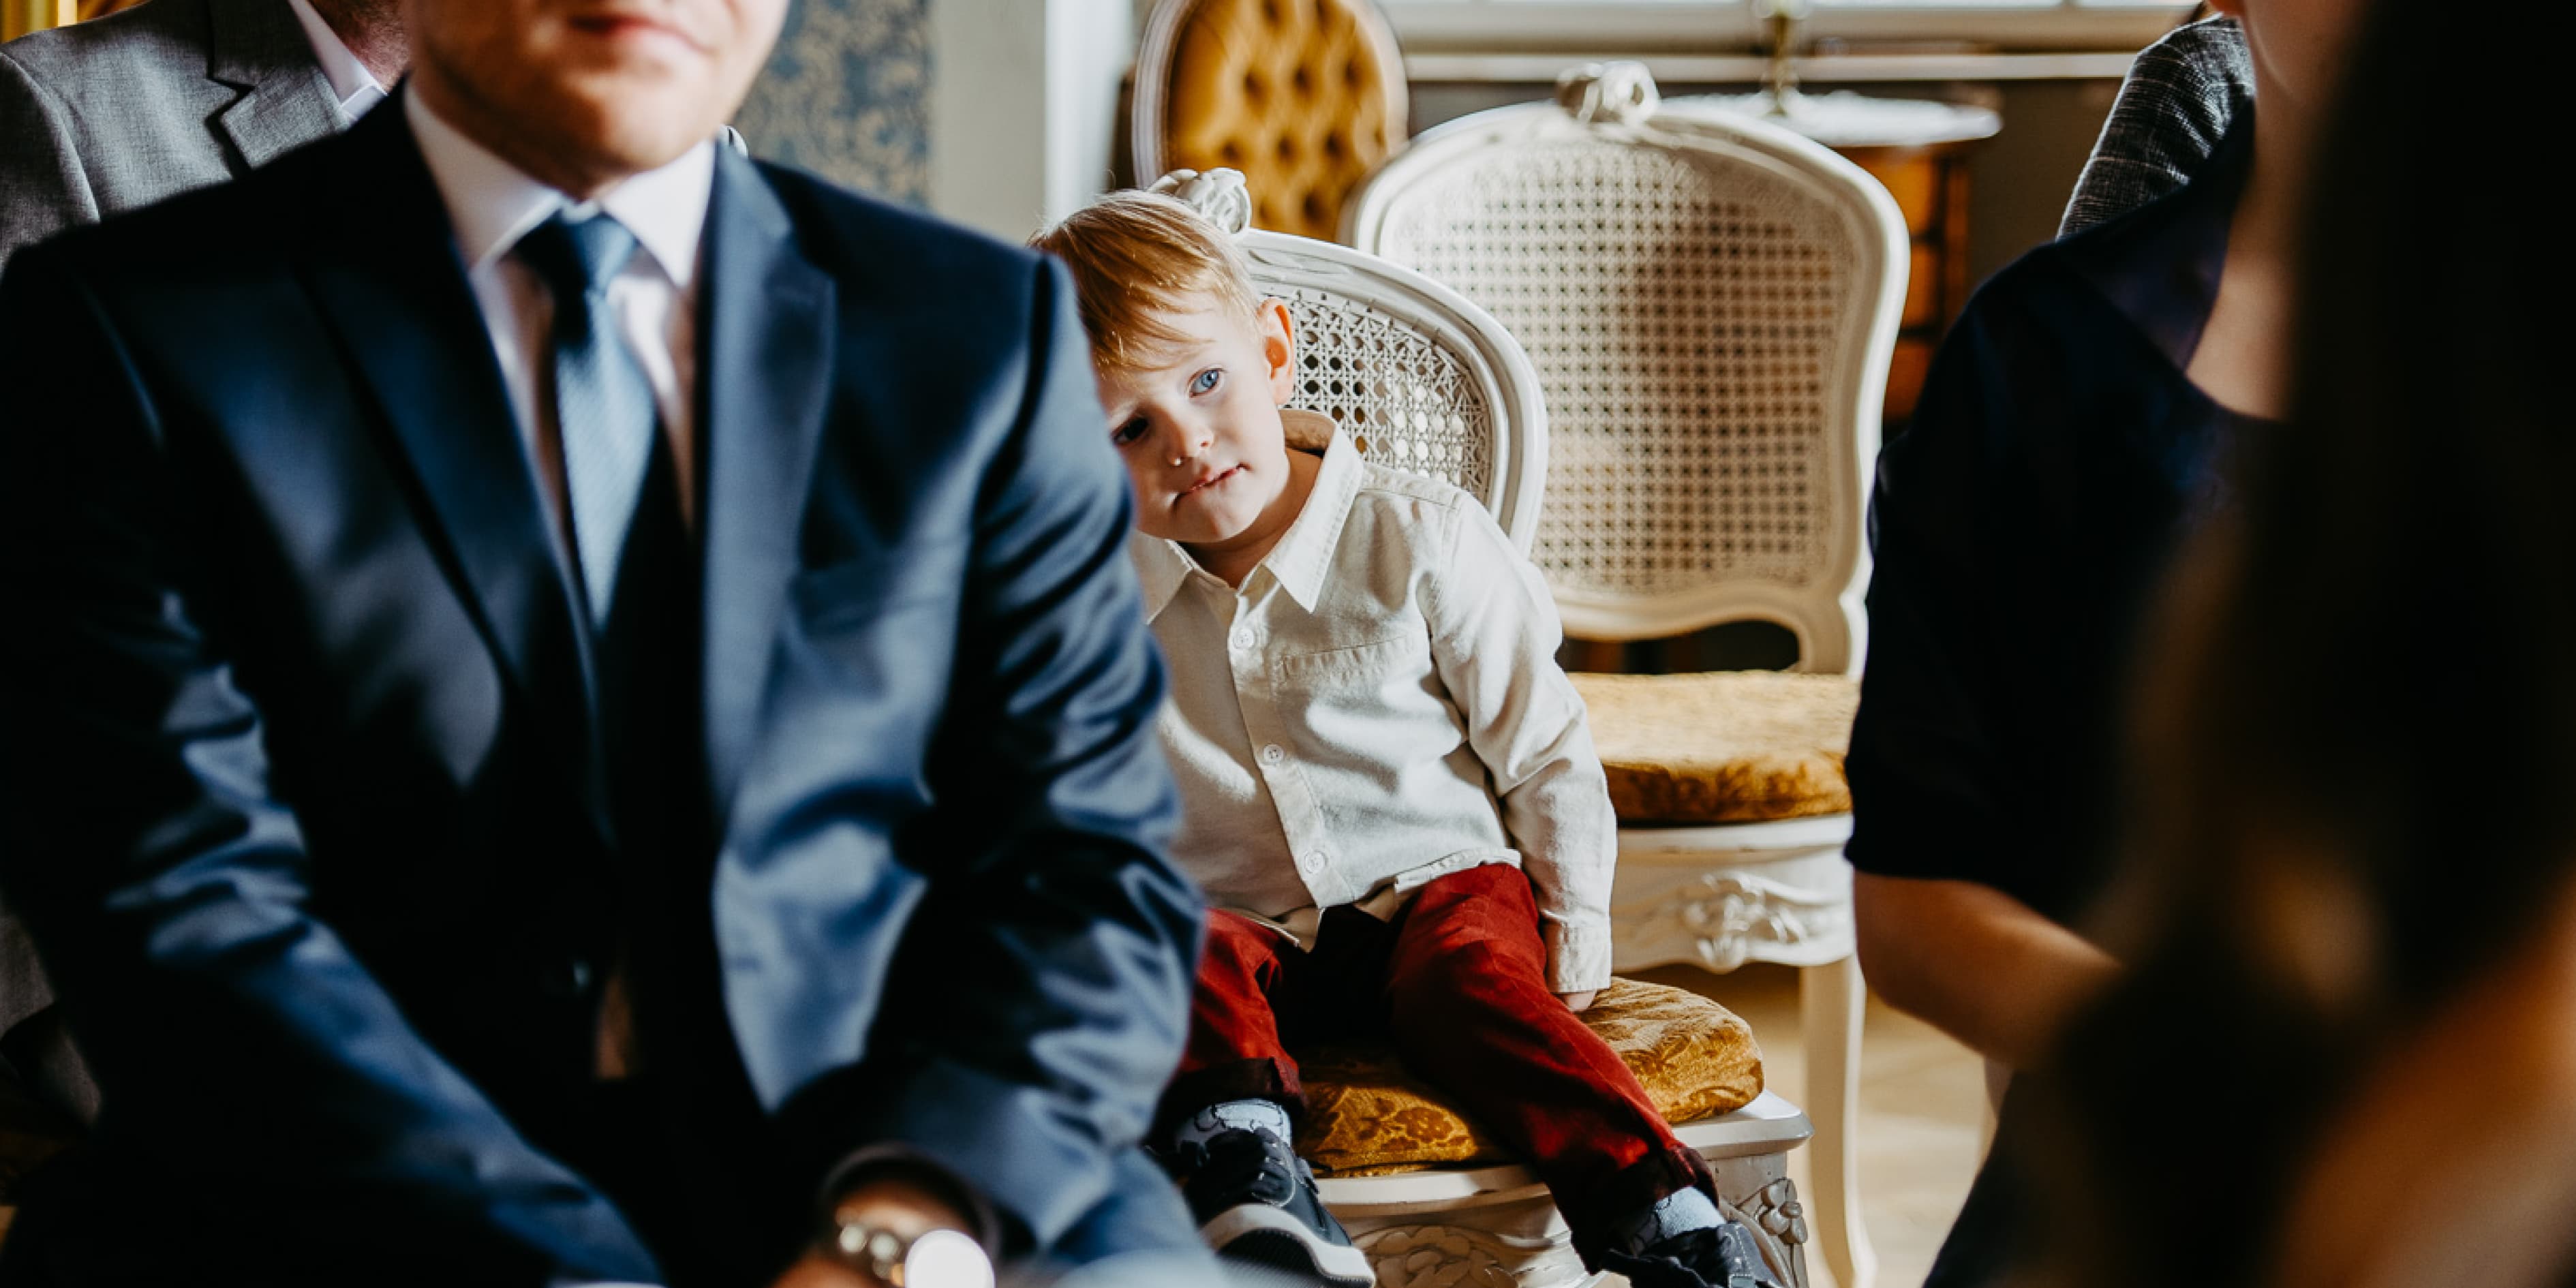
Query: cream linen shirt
point(1377, 706)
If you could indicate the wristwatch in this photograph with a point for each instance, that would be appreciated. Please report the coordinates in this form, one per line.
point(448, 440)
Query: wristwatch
point(932, 1259)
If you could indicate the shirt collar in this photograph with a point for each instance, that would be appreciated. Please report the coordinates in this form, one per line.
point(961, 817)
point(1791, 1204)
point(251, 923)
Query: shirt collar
point(351, 83)
point(492, 204)
point(1162, 567)
point(1304, 554)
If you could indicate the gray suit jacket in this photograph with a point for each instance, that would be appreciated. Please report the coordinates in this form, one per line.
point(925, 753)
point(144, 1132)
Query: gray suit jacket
point(146, 104)
point(122, 112)
point(2179, 100)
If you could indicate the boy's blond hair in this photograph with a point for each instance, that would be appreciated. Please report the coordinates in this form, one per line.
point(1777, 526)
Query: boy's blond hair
point(1137, 256)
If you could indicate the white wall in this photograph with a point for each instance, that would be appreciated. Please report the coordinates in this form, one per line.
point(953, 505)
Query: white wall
point(1023, 107)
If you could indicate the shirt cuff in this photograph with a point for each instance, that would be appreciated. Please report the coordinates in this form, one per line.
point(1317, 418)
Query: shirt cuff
point(982, 1221)
point(1578, 956)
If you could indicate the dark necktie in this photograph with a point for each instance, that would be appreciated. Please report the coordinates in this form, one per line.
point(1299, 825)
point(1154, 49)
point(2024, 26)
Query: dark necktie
point(639, 571)
point(604, 416)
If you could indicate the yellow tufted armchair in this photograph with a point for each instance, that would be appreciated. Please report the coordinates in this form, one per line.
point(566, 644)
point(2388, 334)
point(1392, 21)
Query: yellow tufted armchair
point(1305, 97)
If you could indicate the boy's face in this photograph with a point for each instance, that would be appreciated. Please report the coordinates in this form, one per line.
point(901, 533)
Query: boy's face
point(1199, 427)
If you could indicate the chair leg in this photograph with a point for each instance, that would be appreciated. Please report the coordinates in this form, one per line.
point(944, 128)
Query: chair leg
point(1831, 1000)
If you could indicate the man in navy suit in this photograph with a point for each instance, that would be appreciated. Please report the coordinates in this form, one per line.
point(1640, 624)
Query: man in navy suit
point(575, 708)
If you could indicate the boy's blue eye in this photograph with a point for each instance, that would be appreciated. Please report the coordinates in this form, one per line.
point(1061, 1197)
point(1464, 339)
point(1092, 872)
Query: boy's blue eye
point(1129, 432)
point(1207, 380)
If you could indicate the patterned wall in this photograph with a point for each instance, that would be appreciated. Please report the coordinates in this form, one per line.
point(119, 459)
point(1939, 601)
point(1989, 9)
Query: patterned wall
point(847, 96)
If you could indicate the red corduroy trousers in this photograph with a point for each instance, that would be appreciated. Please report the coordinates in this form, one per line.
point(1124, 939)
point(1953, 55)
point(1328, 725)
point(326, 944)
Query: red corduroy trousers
point(1457, 983)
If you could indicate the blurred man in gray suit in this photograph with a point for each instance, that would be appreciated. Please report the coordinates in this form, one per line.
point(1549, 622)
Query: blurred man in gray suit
point(177, 95)
point(123, 112)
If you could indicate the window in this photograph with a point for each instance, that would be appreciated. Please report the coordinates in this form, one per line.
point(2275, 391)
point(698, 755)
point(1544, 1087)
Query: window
point(1734, 26)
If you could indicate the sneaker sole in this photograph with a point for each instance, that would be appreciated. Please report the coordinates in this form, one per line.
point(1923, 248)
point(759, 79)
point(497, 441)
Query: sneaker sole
point(1265, 1236)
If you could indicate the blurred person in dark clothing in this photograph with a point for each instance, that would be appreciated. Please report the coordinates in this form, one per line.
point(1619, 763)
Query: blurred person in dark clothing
point(2068, 440)
point(2343, 1057)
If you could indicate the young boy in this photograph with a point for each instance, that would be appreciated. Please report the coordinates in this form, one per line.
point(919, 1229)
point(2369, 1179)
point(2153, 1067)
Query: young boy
point(1388, 788)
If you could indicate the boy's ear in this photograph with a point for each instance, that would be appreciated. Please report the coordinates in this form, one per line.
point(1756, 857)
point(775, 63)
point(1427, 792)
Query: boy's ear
point(1278, 349)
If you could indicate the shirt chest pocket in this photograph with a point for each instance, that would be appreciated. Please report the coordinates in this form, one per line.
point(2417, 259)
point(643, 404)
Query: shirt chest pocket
point(1368, 703)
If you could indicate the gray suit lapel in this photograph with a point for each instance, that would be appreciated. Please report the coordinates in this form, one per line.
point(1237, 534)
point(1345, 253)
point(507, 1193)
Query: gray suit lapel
point(256, 46)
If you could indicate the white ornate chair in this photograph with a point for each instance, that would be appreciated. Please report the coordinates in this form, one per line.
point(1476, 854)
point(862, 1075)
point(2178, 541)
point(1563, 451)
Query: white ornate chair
point(1423, 380)
point(1710, 301)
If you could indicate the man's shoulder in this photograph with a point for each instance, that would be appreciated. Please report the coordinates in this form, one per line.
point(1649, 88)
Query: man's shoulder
point(899, 250)
point(231, 230)
point(2033, 309)
point(165, 38)
point(2045, 274)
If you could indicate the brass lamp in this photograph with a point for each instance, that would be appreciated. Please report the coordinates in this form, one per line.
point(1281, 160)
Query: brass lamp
point(1780, 22)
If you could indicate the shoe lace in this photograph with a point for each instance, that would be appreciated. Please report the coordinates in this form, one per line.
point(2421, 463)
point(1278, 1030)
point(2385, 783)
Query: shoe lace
point(1239, 1162)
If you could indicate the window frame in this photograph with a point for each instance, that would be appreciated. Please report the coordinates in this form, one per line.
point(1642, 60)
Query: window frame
point(1730, 26)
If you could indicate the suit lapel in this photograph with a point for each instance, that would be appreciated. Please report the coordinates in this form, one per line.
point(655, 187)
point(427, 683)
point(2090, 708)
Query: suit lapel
point(763, 391)
point(286, 101)
point(383, 266)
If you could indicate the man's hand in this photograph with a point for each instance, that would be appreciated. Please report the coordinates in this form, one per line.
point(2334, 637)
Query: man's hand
point(888, 1202)
point(1579, 1002)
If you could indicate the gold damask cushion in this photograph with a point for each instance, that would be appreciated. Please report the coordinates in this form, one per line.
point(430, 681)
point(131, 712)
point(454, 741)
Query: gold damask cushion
point(1722, 747)
point(1366, 1116)
point(1302, 96)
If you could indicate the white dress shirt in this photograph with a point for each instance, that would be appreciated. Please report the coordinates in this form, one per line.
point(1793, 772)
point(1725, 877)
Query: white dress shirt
point(351, 82)
point(1377, 706)
point(491, 205)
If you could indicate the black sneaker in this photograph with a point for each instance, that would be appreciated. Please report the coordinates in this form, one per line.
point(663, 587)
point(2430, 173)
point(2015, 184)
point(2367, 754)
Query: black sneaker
point(1255, 1202)
point(1722, 1256)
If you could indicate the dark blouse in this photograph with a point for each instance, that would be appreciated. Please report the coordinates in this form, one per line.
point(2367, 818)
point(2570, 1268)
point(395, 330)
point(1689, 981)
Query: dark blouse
point(2020, 529)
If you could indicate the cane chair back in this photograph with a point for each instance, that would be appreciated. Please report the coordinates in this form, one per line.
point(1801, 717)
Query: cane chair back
point(1304, 97)
point(1420, 379)
point(1711, 302)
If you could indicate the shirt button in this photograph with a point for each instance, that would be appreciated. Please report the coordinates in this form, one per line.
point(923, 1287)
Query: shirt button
point(1243, 638)
point(1313, 862)
point(1273, 754)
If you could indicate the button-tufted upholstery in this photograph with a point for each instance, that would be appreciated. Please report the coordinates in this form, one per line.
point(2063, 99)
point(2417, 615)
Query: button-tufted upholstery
point(1305, 97)
point(1365, 1116)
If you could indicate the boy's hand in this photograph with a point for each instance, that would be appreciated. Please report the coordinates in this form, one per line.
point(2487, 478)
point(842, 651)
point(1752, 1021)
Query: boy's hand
point(1580, 1002)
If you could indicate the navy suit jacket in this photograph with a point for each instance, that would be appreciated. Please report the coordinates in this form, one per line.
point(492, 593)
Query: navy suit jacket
point(302, 797)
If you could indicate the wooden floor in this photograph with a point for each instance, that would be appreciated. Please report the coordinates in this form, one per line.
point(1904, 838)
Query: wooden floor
point(1921, 1113)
